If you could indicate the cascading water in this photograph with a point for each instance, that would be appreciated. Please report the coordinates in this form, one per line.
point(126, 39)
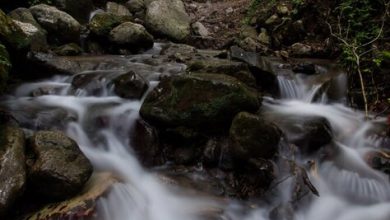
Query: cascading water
point(349, 189)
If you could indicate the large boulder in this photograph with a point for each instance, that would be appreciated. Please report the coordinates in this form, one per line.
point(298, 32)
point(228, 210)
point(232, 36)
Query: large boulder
point(11, 34)
point(130, 85)
point(57, 168)
point(168, 18)
point(253, 137)
point(131, 36)
point(12, 159)
point(200, 101)
point(5, 66)
point(61, 27)
point(31, 28)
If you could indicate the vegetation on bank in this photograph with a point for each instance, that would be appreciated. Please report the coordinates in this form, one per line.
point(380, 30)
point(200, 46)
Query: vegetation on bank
point(357, 32)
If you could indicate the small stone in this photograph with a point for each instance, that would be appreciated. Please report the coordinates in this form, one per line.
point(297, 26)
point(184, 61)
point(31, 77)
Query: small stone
point(229, 10)
point(282, 9)
point(264, 37)
point(272, 20)
point(200, 29)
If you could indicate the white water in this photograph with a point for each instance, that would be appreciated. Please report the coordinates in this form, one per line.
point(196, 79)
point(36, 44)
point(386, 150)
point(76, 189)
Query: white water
point(349, 189)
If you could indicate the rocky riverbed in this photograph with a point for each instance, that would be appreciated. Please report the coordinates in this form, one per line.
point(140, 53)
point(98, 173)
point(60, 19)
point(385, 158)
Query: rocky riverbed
point(121, 110)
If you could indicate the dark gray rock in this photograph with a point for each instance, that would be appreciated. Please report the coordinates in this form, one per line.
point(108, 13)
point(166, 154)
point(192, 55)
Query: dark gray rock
point(12, 162)
point(56, 166)
point(130, 85)
point(253, 137)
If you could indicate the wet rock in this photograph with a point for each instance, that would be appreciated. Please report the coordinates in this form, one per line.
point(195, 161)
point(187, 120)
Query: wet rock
point(215, 153)
point(168, 18)
point(11, 34)
point(61, 27)
point(253, 137)
point(56, 166)
point(117, 9)
point(253, 178)
point(312, 134)
point(145, 143)
point(217, 98)
point(235, 69)
point(5, 67)
point(379, 160)
point(305, 68)
point(131, 36)
point(102, 24)
point(80, 10)
point(130, 86)
point(12, 158)
point(71, 49)
point(282, 212)
point(24, 15)
point(82, 205)
point(90, 83)
point(264, 69)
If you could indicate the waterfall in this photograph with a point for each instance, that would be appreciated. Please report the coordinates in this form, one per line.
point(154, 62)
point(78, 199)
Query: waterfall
point(101, 123)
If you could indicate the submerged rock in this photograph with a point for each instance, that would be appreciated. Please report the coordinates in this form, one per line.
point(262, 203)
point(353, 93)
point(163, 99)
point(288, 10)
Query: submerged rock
point(202, 101)
point(56, 166)
point(12, 160)
point(61, 26)
point(253, 137)
point(71, 49)
point(130, 85)
point(168, 18)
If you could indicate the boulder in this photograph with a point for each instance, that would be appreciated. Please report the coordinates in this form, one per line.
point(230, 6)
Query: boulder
point(5, 67)
point(253, 137)
point(145, 143)
point(12, 160)
point(131, 36)
point(130, 86)
point(136, 6)
point(61, 27)
point(11, 34)
point(235, 69)
point(101, 24)
point(117, 9)
point(36, 36)
point(81, 206)
point(201, 101)
point(57, 168)
point(80, 10)
point(24, 15)
point(168, 18)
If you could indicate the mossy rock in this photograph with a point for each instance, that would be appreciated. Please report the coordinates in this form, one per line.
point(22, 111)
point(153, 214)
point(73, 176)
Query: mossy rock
point(102, 24)
point(235, 69)
point(253, 137)
point(12, 34)
point(206, 102)
point(5, 66)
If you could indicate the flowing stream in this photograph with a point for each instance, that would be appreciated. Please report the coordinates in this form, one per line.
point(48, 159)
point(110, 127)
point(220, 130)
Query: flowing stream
point(101, 123)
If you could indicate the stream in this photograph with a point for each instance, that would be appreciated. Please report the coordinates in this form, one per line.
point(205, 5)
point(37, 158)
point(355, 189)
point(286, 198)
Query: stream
point(101, 122)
